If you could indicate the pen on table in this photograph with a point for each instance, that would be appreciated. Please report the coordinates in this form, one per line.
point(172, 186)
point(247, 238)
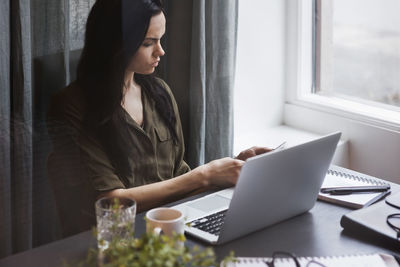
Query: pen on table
point(354, 189)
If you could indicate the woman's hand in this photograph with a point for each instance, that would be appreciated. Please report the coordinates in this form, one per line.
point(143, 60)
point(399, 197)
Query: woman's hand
point(253, 151)
point(221, 172)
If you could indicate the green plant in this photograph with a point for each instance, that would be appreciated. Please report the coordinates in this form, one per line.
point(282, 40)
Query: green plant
point(151, 250)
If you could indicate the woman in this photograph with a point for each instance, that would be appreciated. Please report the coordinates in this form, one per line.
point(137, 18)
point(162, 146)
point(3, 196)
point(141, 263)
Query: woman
point(125, 121)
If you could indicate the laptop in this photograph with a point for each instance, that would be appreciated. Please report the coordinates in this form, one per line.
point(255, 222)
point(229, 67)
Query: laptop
point(272, 187)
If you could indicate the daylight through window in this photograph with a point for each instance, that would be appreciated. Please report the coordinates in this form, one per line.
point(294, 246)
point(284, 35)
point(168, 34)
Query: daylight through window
point(357, 50)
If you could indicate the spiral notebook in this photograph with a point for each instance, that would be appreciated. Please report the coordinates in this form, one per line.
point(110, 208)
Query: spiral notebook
point(338, 176)
point(368, 260)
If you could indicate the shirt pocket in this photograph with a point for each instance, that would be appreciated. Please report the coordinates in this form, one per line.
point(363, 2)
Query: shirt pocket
point(163, 134)
point(165, 152)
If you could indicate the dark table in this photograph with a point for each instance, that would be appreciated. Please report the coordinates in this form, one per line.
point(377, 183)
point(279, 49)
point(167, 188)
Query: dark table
point(314, 233)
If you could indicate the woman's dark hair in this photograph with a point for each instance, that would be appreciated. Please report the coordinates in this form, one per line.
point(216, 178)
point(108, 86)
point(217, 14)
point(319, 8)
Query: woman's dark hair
point(115, 30)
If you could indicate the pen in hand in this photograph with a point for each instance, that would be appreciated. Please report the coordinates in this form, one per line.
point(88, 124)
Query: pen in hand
point(354, 189)
point(281, 146)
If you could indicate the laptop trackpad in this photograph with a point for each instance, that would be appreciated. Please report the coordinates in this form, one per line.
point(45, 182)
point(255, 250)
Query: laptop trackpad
point(207, 204)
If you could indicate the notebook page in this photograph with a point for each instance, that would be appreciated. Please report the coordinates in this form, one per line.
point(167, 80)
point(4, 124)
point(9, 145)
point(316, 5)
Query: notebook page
point(360, 198)
point(332, 180)
point(373, 260)
point(355, 261)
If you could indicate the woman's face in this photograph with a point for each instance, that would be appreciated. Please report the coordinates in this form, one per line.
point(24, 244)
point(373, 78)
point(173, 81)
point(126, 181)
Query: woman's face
point(146, 58)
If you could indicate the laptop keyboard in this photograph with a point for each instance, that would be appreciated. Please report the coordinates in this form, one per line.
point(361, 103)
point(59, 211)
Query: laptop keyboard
point(211, 223)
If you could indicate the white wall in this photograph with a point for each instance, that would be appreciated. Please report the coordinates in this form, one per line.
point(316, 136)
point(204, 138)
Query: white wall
point(260, 94)
point(259, 85)
point(373, 145)
point(372, 150)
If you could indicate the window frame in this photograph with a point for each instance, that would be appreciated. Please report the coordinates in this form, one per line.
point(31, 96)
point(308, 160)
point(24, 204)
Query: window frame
point(301, 52)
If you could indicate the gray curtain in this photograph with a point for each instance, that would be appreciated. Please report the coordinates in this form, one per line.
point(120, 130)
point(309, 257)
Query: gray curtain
point(35, 61)
point(212, 71)
point(34, 32)
point(5, 170)
point(16, 125)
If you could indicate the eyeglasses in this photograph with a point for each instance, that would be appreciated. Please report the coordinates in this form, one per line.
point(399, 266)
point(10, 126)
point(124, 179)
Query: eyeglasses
point(390, 219)
point(393, 220)
point(290, 258)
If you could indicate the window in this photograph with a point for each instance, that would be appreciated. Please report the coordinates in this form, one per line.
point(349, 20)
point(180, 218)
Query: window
point(319, 78)
point(369, 126)
point(357, 51)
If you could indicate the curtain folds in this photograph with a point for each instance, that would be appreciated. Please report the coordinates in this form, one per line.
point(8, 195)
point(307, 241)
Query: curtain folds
point(37, 36)
point(212, 71)
point(5, 110)
point(20, 118)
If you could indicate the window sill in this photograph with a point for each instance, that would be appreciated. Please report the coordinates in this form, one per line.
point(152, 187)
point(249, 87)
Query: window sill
point(362, 112)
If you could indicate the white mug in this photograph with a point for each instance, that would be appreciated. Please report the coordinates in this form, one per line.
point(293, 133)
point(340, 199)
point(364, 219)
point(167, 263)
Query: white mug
point(166, 221)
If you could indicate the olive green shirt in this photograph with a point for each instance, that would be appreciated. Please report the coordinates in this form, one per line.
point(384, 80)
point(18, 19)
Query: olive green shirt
point(155, 156)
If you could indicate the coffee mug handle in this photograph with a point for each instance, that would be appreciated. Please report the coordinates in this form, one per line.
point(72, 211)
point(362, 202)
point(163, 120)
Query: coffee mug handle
point(157, 231)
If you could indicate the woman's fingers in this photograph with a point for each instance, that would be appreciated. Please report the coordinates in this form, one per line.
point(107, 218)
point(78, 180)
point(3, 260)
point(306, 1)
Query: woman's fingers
point(223, 172)
point(261, 150)
point(253, 151)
